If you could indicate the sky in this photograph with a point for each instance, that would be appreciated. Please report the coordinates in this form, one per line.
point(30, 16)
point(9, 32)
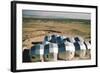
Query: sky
point(55, 14)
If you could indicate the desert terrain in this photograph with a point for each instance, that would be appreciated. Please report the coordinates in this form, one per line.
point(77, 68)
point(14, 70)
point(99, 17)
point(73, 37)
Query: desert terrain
point(34, 31)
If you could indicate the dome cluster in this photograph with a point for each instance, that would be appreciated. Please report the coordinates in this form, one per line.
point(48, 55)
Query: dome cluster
point(58, 47)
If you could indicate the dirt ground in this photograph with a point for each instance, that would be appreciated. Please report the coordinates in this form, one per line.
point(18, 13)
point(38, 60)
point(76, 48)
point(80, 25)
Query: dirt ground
point(33, 32)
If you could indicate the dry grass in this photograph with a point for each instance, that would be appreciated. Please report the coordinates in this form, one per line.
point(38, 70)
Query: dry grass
point(34, 31)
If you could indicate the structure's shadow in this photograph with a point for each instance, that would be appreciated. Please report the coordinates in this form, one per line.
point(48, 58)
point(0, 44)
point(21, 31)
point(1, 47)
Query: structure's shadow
point(26, 56)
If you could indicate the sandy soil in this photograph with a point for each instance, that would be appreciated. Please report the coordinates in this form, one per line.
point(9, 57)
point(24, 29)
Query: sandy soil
point(34, 32)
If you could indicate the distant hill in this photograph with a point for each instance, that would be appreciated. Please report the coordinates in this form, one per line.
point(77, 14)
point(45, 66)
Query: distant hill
point(64, 20)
